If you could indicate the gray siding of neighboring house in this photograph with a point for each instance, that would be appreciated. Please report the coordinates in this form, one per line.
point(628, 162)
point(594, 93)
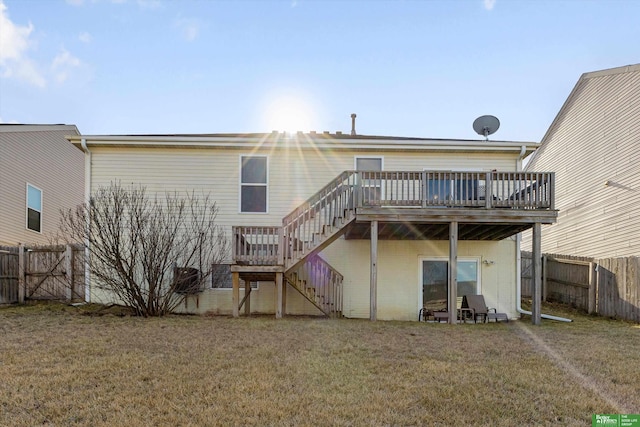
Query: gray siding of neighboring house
point(593, 146)
point(41, 156)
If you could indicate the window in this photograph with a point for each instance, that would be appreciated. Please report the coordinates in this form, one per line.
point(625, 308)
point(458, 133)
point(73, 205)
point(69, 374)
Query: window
point(371, 189)
point(253, 184)
point(34, 208)
point(221, 278)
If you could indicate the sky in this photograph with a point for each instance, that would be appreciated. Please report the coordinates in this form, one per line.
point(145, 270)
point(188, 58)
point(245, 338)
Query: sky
point(406, 68)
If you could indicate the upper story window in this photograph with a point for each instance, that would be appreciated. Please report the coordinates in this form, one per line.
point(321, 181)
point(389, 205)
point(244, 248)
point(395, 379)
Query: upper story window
point(34, 208)
point(253, 183)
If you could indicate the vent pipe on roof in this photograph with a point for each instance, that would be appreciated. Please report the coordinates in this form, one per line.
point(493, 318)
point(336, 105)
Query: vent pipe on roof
point(353, 124)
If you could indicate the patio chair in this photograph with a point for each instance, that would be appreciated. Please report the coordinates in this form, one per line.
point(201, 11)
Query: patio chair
point(480, 309)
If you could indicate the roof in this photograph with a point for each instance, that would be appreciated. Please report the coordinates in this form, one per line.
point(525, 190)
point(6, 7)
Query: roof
point(15, 127)
point(575, 92)
point(311, 140)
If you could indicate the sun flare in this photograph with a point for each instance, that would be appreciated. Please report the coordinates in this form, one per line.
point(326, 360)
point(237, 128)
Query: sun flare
point(289, 114)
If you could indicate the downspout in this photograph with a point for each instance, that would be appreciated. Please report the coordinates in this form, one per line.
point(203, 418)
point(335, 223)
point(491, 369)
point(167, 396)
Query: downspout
point(87, 199)
point(523, 150)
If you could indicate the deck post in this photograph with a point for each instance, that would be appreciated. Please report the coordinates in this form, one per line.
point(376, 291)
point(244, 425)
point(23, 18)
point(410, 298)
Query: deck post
point(537, 270)
point(373, 305)
point(279, 296)
point(544, 278)
point(284, 296)
point(235, 278)
point(453, 272)
point(247, 298)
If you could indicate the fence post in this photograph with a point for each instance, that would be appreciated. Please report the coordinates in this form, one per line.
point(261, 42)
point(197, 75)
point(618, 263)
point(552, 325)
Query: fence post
point(593, 287)
point(68, 260)
point(21, 276)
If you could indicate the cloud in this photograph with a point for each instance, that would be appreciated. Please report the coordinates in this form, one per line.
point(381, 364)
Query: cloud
point(85, 37)
point(63, 64)
point(14, 44)
point(489, 4)
point(189, 28)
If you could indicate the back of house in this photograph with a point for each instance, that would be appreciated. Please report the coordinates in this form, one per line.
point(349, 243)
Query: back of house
point(354, 225)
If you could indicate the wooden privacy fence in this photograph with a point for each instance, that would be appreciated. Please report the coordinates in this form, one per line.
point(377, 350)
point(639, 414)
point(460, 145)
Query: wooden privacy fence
point(608, 286)
point(41, 272)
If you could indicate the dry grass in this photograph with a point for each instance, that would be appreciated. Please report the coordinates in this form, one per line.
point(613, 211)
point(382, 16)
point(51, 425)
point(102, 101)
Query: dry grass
point(60, 366)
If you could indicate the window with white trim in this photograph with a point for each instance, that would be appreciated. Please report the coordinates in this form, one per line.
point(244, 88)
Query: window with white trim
point(34, 208)
point(253, 184)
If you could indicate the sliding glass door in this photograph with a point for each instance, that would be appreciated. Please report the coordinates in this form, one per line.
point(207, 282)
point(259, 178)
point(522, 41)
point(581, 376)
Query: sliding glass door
point(434, 276)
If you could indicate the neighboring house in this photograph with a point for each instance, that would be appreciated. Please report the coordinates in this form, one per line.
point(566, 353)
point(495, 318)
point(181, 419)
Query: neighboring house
point(351, 225)
point(593, 146)
point(40, 174)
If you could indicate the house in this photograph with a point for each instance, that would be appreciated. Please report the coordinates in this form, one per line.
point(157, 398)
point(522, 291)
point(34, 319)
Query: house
point(40, 174)
point(347, 225)
point(593, 147)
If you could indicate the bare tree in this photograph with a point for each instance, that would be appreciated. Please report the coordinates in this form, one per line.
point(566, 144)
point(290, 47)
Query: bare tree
point(149, 252)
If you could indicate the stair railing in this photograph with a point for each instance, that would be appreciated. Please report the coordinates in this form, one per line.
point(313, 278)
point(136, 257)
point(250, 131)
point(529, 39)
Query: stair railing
point(320, 284)
point(310, 224)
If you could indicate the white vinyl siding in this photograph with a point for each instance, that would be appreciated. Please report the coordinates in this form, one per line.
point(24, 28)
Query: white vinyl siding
point(593, 149)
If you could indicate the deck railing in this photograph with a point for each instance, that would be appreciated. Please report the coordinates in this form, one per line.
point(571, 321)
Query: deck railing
point(316, 220)
point(256, 245)
point(520, 190)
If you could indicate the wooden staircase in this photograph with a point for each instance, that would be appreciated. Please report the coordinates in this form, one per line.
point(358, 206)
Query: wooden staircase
point(295, 245)
point(319, 283)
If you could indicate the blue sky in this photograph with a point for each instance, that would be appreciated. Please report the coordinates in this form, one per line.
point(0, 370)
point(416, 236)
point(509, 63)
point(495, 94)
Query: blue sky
point(407, 68)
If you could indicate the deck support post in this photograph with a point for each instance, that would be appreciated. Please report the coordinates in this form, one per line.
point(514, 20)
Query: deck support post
point(284, 296)
point(373, 305)
point(453, 272)
point(536, 273)
point(235, 278)
point(279, 296)
point(247, 298)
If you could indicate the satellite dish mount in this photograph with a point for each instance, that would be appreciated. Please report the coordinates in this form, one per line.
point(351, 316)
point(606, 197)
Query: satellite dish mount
point(486, 125)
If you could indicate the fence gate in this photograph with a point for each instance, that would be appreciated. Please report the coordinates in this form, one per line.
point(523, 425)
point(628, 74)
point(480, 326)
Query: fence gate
point(54, 272)
point(8, 275)
point(41, 273)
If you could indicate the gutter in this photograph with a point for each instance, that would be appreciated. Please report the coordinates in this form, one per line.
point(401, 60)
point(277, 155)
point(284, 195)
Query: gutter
point(519, 308)
point(87, 199)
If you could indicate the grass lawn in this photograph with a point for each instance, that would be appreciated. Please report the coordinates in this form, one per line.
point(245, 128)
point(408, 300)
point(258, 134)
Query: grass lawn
point(62, 365)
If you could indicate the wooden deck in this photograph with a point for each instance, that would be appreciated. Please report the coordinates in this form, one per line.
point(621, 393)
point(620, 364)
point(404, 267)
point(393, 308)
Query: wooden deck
point(407, 206)
point(425, 205)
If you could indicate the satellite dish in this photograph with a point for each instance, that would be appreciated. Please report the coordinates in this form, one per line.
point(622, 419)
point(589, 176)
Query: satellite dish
point(486, 125)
